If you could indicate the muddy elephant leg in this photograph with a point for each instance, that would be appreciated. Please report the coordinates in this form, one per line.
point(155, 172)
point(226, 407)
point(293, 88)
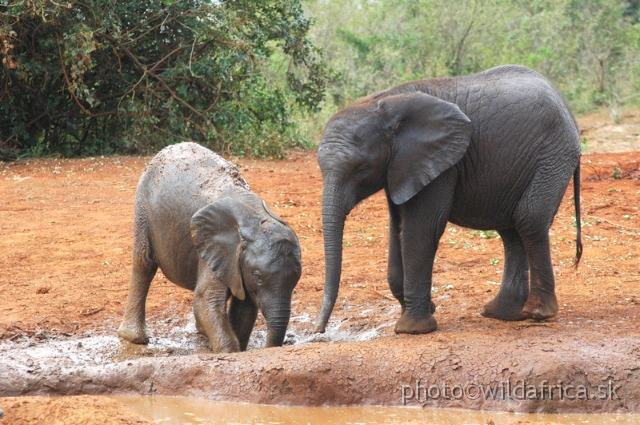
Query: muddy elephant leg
point(133, 327)
point(210, 310)
point(514, 290)
point(243, 314)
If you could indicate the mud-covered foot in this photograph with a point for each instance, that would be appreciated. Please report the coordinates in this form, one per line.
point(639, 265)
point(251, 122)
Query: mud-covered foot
point(410, 325)
point(199, 327)
point(133, 333)
point(499, 308)
point(540, 308)
point(320, 328)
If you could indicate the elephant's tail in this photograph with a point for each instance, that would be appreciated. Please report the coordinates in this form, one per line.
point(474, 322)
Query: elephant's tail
point(576, 200)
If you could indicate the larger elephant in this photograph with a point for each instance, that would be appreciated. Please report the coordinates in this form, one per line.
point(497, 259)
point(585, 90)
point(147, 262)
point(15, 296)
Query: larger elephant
point(493, 150)
point(197, 219)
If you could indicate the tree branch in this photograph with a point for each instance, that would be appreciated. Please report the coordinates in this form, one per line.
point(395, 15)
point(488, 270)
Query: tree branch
point(15, 133)
point(66, 77)
point(142, 67)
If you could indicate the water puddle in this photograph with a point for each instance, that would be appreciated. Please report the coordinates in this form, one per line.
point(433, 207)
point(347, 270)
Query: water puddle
point(185, 411)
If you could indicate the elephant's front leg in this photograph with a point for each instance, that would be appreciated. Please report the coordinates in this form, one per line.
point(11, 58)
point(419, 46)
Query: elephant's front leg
point(243, 314)
point(421, 231)
point(395, 274)
point(209, 308)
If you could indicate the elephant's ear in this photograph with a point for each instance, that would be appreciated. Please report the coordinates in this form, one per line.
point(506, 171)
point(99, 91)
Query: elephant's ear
point(273, 215)
point(430, 136)
point(215, 234)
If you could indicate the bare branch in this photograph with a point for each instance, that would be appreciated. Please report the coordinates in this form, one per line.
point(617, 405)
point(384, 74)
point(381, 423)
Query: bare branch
point(142, 67)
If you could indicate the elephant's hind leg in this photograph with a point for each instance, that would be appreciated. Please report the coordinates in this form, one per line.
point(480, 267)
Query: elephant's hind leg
point(133, 327)
point(534, 216)
point(514, 290)
point(542, 302)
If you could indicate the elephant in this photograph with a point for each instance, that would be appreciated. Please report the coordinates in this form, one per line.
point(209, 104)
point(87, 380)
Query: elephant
point(494, 150)
point(197, 219)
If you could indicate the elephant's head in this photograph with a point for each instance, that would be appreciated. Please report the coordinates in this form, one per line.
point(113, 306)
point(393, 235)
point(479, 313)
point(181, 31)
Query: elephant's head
point(398, 142)
point(254, 252)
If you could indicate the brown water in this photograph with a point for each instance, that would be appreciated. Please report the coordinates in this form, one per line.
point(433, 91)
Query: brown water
point(185, 411)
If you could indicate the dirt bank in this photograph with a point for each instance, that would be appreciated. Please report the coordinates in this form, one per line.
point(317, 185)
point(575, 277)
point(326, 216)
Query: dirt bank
point(535, 369)
point(79, 410)
point(66, 235)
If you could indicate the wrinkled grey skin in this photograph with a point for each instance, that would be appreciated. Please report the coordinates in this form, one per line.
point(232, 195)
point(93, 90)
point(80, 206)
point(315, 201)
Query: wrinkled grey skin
point(494, 150)
point(197, 219)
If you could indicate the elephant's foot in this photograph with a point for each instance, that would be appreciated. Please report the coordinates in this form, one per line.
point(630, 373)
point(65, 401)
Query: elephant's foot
point(320, 328)
point(199, 327)
point(540, 307)
point(432, 307)
point(133, 332)
point(505, 308)
point(411, 325)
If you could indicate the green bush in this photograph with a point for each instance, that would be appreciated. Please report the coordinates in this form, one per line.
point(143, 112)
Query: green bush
point(104, 76)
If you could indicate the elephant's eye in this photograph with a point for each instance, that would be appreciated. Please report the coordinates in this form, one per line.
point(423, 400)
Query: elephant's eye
point(257, 277)
point(362, 172)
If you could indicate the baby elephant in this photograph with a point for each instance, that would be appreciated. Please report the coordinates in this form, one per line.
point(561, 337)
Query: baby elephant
point(197, 219)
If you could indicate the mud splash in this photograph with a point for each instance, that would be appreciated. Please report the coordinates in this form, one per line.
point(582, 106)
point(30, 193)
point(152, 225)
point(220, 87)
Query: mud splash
point(29, 354)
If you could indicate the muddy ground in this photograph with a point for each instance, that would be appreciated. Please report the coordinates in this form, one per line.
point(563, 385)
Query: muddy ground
point(65, 247)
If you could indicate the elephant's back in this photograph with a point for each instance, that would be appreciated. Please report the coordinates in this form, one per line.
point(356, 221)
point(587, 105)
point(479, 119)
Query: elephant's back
point(511, 91)
point(190, 170)
point(521, 127)
point(177, 182)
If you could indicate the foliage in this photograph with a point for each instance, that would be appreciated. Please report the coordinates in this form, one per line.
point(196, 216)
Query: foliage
point(104, 76)
point(245, 77)
point(588, 48)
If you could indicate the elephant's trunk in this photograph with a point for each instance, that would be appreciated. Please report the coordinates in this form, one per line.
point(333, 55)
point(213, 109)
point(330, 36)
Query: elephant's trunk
point(277, 321)
point(333, 218)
